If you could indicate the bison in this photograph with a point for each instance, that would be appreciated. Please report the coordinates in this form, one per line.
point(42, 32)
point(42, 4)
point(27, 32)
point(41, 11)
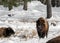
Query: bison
point(42, 27)
point(54, 40)
point(6, 31)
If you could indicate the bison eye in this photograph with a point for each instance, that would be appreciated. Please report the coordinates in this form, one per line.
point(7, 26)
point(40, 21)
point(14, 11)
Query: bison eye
point(43, 25)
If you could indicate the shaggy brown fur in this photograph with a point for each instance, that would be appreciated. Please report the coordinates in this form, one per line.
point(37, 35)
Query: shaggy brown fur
point(42, 27)
point(54, 40)
point(5, 32)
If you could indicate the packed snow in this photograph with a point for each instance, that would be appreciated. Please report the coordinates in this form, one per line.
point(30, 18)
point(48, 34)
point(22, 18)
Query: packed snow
point(24, 23)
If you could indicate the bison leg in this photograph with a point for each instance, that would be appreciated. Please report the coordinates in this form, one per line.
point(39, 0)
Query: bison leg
point(39, 34)
point(46, 34)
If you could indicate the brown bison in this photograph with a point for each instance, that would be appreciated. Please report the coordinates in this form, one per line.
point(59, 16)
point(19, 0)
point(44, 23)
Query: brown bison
point(6, 31)
point(54, 40)
point(42, 27)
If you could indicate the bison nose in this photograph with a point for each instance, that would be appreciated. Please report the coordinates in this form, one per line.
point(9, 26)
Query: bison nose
point(40, 26)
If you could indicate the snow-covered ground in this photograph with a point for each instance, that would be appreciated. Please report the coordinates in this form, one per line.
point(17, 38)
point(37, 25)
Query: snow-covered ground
point(23, 23)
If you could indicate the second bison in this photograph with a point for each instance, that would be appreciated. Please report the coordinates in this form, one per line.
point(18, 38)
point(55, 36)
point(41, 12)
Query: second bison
point(54, 40)
point(6, 31)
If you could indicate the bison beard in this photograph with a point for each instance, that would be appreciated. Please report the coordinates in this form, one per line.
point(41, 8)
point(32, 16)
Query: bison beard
point(6, 32)
point(54, 40)
point(42, 27)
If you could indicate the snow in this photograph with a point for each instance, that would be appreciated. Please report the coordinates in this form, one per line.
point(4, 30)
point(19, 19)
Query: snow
point(24, 23)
